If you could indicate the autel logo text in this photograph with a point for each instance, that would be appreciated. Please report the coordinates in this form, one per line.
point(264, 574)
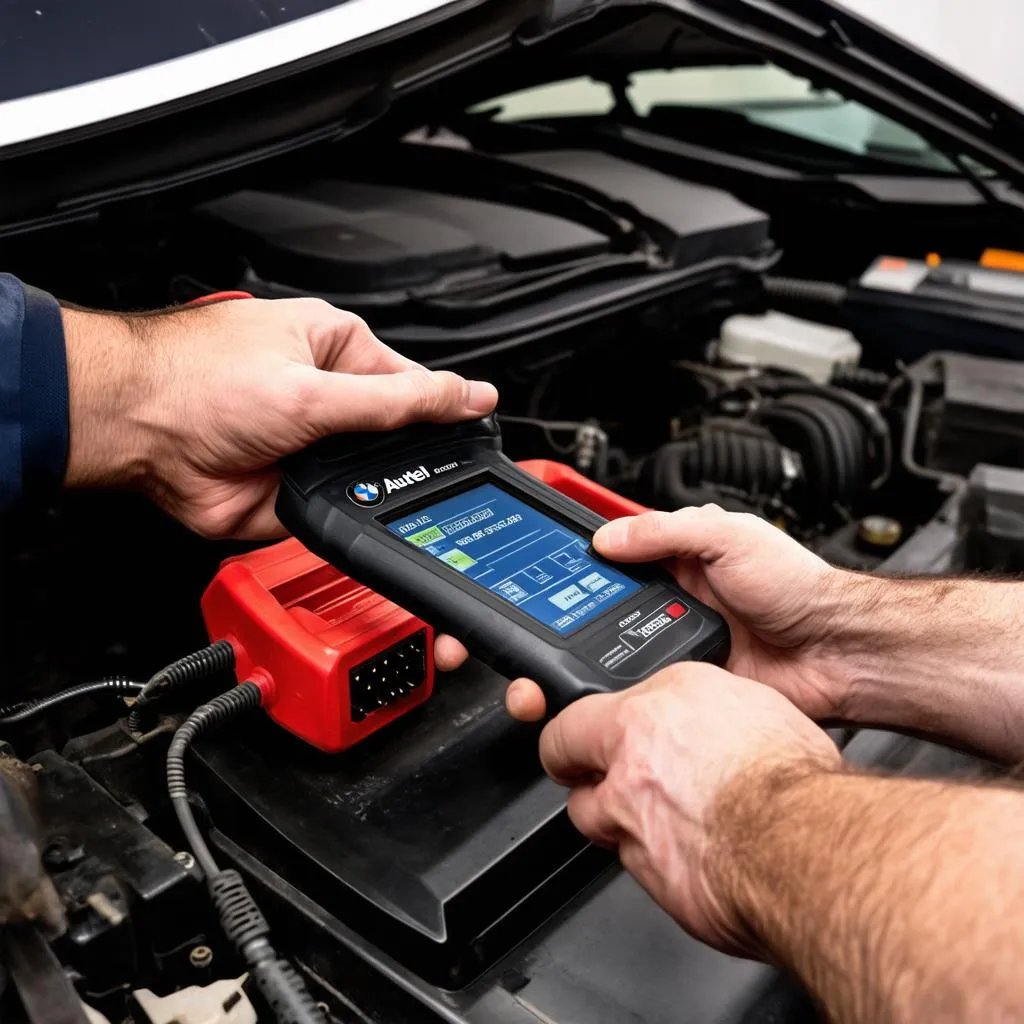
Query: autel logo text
point(409, 477)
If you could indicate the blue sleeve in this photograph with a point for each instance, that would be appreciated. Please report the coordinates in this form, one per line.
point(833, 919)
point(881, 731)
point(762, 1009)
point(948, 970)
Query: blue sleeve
point(33, 392)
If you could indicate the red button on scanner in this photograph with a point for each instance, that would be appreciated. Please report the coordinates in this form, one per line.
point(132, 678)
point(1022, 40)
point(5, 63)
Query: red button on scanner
point(676, 610)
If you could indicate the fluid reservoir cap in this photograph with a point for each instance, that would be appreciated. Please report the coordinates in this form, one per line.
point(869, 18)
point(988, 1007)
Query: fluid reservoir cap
point(787, 343)
point(880, 531)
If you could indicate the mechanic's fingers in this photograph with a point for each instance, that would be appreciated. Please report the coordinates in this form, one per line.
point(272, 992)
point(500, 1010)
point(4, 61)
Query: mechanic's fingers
point(245, 513)
point(524, 701)
point(345, 401)
point(706, 533)
point(263, 524)
point(589, 813)
point(578, 744)
point(377, 357)
point(342, 341)
point(371, 355)
point(449, 654)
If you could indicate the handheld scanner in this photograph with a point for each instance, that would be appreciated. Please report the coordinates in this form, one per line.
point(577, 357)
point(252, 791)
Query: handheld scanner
point(438, 520)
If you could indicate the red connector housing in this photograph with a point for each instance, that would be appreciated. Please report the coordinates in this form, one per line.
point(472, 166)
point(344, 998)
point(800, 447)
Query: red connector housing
point(315, 632)
point(567, 481)
point(336, 661)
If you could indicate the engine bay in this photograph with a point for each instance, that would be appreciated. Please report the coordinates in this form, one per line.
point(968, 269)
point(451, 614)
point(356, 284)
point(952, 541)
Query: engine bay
point(647, 328)
point(624, 316)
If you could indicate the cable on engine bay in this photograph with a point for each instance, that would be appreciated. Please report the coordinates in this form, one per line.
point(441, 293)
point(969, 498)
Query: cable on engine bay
point(201, 664)
point(14, 713)
point(280, 984)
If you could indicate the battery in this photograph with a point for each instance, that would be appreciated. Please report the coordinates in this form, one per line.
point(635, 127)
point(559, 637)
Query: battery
point(909, 308)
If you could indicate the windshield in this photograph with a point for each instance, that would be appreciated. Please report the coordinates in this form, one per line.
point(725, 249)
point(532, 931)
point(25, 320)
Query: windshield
point(763, 97)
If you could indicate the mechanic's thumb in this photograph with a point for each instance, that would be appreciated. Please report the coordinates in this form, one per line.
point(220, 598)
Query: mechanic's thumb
point(705, 533)
point(346, 401)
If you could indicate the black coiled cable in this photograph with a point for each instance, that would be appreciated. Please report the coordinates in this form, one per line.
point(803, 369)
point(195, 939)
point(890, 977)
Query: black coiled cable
point(281, 986)
point(202, 664)
point(14, 713)
point(243, 922)
point(796, 289)
point(279, 983)
point(208, 716)
point(285, 992)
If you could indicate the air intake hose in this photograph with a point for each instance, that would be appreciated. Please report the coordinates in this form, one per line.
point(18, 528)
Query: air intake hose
point(832, 446)
point(692, 470)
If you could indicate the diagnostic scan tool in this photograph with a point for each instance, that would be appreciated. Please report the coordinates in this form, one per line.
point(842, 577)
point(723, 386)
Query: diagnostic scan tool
point(438, 520)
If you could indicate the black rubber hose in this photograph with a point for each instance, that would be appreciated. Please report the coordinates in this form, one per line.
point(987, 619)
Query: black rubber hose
point(751, 464)
point(843, 436)
point(796, 289)
point(678, 474)
point(915, 405)
point(202, 664)
point(281, 986)
point(862, 408)
point(208, 716)
point(27, 709)
point(801, 430)
point(861, 380)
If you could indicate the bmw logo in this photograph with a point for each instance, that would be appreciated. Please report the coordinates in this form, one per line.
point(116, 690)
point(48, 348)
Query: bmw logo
point(365, 493)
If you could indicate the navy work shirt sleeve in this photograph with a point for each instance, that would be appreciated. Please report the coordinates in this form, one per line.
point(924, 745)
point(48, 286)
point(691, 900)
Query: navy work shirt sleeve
point(33, 391)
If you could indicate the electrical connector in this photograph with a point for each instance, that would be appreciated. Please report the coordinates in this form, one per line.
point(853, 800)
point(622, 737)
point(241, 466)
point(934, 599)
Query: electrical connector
point(342, 661)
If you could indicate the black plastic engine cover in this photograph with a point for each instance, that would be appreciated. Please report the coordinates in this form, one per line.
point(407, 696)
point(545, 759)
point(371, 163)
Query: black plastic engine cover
point(431, 874)
point(439, 839)
point(697, 222)
point(443, 250)
point(351, 237)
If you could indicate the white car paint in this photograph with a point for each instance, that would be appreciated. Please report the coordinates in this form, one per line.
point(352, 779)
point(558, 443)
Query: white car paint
point(35, 117)
point(980, 39)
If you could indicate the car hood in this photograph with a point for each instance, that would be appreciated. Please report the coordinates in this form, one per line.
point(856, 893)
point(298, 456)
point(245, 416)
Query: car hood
point(820, 40)
point(61, 157)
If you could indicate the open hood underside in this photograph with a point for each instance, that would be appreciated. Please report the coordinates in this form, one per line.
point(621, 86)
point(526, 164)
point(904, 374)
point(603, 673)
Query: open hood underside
point(476, 50)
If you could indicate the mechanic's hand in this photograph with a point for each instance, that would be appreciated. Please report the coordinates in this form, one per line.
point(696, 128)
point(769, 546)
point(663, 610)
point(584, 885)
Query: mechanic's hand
point(646, 765)
point(198, 404)
point(784, 605)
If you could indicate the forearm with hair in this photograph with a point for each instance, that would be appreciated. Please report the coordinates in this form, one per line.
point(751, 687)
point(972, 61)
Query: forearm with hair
point(941, 656)
point(891, 899)
point(108, 387)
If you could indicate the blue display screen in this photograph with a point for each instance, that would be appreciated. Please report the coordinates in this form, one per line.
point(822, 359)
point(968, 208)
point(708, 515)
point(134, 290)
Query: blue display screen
point(516, 552)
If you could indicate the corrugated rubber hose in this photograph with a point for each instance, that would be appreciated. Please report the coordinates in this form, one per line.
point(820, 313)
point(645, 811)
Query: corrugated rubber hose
point(796, 289)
